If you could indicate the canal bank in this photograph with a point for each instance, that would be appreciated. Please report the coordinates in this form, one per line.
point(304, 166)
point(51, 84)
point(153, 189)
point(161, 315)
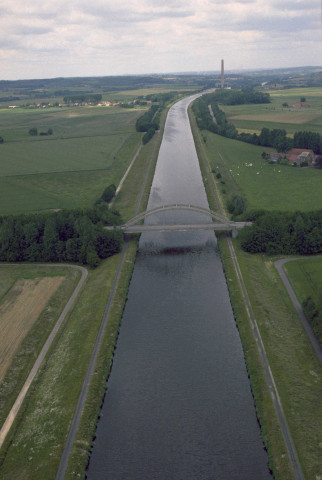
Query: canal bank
point(296, 370)
point(178, 403)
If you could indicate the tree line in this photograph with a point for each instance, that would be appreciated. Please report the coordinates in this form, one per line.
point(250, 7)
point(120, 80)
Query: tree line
point(240, 97)
point(275, 138)
point(66, 236)
point(298, 233)
point(149, 122)
point(83, 98)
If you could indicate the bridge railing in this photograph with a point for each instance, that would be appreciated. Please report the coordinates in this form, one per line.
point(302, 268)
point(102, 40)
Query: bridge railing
point(179, 206)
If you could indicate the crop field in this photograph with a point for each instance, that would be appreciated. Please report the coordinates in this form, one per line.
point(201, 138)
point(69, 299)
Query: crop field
point(275, 115)
point(267, 186)
point(305, 276)
point(90, 148)
point(20, 309)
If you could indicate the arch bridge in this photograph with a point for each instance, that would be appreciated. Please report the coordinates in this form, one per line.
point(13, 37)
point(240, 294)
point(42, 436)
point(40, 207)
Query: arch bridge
point(217, 221)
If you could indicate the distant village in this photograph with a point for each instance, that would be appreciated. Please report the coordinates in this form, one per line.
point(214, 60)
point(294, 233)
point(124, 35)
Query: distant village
point(130, 104)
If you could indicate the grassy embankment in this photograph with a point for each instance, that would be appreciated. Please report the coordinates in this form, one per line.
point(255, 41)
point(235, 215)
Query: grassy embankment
point(305, 277)
point(295, 367)
point(34, 445)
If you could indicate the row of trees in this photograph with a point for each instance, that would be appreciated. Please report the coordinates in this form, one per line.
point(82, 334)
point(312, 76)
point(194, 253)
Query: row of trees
point(149, 122)
point(83, 98)
point(298, 233)
point(276, 138)
point(240, 97)
point(65, 236)
point(146, 121)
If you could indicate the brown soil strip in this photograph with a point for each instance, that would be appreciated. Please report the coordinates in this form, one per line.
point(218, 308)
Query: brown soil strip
point(19, 311)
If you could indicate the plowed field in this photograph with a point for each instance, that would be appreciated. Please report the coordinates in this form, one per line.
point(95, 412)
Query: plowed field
point(18, 312)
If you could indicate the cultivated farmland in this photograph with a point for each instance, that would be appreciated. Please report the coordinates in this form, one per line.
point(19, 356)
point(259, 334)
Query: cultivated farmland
point(18, 312)
point(252, 118)
point(90, 148)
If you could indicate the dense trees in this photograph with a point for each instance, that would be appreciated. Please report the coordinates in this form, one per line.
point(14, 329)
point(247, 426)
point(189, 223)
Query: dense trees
point(237, 205)
point(66, 236)
point(283, 233)
point(240, 97)
point(108, 194)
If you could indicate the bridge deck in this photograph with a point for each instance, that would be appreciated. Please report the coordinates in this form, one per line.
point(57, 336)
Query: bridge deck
point(181, 227)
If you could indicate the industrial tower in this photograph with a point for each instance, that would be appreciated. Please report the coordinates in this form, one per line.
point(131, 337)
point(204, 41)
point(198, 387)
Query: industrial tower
point(222, 74)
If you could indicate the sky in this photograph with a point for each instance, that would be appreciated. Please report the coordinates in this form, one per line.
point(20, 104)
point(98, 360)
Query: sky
point(66, 38)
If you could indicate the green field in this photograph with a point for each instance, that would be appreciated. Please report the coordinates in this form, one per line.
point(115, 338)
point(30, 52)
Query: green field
point(305, 276)
point(271, 187)
point(275, 115)
point(90, 148)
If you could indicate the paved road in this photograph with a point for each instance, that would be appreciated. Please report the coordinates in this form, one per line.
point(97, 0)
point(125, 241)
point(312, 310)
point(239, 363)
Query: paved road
point(33, 372)
point(306, 324)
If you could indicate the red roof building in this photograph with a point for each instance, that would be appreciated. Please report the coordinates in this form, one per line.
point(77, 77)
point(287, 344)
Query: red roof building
point(298, 155)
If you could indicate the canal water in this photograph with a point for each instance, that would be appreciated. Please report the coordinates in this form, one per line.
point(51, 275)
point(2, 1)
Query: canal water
point(178, 404)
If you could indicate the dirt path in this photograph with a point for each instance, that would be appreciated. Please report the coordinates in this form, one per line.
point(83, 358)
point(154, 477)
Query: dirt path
point(33, 372)
point(306, 324)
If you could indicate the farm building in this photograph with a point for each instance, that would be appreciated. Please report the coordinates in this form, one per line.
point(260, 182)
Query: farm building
point(299, 155)
point(301, 105)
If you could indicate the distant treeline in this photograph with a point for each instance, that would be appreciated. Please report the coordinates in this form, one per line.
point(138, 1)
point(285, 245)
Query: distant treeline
point(83, 98)
point(240, 97)
point(9, 99)
point(298, 233)
point(65, 236)
point(276, 138)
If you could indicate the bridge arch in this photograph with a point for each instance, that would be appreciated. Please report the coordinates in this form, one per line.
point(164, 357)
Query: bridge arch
point(178, 206)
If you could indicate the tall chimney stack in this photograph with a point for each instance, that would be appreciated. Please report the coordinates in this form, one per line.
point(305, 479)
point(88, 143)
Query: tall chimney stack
point(222, 74)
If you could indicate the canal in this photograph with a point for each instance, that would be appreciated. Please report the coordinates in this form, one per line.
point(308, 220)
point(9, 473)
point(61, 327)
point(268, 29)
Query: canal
point(178, 403)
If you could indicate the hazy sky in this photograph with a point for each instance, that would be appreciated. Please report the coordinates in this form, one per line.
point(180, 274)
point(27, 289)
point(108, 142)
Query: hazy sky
point(44, 39)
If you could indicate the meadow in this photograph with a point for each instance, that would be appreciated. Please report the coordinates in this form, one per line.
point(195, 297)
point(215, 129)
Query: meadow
point(90, 148)
point(264, 185)
point(305, 276)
